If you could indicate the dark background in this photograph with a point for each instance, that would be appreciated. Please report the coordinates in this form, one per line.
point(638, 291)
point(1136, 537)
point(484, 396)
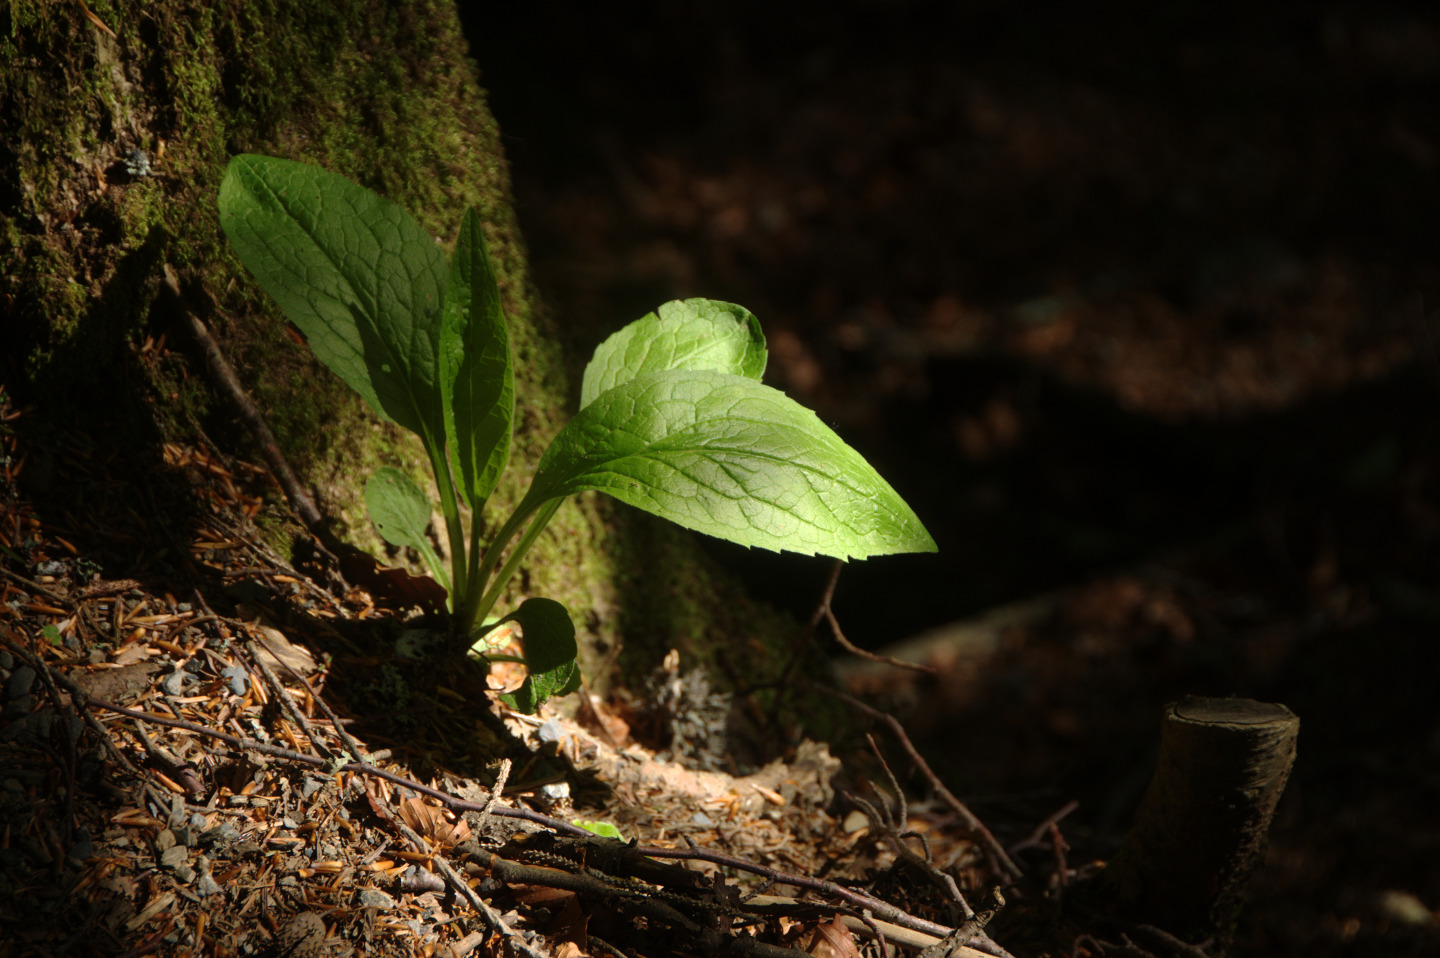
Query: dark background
point(1083, 286)
point(1135, 304)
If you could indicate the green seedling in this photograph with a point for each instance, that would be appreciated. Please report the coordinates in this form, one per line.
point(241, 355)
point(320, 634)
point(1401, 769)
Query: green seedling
point(673, 417)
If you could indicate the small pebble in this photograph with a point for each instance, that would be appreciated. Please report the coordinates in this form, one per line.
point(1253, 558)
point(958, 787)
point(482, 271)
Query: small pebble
point(175, 682)
point(206, 885)
point(89, 770)
point(178, 813)
point(174, 857)
point(302, 936)
point(82, 849)
point(551, 731)
point(222, 834)
point(237, 678)
point(418, 880)
point(21, 681)
point(165, 840)
point(375, 898)
point(18, 706)
point(29, 726)
point(7, 661)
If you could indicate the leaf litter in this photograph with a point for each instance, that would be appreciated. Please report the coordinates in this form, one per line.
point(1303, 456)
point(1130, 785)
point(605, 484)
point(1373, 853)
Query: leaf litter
point(236, 805)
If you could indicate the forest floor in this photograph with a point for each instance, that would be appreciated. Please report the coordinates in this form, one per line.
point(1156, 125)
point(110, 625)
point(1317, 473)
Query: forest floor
point(248, 765)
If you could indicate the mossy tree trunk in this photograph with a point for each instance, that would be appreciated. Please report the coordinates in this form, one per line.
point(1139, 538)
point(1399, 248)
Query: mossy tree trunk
point(118, 127)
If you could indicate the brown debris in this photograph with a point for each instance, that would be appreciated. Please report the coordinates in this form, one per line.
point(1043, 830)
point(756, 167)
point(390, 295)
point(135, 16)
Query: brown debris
point(184, 767)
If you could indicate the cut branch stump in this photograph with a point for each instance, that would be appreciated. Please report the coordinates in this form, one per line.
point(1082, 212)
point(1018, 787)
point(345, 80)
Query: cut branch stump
point(1200, 830)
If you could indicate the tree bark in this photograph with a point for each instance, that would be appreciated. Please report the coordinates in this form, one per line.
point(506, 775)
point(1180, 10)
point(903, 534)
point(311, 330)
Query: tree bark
point(1200, 831)
point(119, 119)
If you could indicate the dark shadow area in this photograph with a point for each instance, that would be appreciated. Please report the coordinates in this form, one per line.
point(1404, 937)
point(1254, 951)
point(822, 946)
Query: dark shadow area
point(1135, 305)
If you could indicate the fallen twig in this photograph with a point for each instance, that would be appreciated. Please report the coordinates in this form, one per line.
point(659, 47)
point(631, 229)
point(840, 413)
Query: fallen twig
point(1043, 829)
point(889, 821)
point(286, 701)
point(359, 768)
point(1000, 859)
point(824, 610)
point(973, 928)
point(224, 373)
point(461, 887)
point(79, 700)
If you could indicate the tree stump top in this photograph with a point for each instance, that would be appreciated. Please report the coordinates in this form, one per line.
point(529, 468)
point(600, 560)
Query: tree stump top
point(1212, 711)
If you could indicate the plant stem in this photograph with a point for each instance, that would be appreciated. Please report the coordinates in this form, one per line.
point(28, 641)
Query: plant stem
point(466, 609)
point(542, 518)
point(433, 563)
point(469, 615)
point(450, 509)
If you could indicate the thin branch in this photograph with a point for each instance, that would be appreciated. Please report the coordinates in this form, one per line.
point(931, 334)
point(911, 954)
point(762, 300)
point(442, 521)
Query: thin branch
point(824, 610)
point(891, 825)
point(977, 827)
point(971, 930)
point(64, 602)
point(351, 745)
point(460, 886)
point(500, 778)
point(80, 700)
point(229, 383)
point(1041, 830)
point(286, 701)
point(859, 900)
point(854, 649)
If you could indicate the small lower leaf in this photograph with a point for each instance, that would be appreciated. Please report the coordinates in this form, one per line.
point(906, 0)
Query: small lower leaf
point(401, 511)
point(398, 507)
point(548, 635)
point(603, 829)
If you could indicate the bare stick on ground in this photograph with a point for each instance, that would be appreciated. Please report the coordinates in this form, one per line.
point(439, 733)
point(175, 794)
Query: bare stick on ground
point(224, 373)
point(1200, 830)
point(1001, 861)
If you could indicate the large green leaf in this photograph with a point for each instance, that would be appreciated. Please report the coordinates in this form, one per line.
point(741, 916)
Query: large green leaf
point(728, 456)
point(360, 278)
point(477, 383)
point(685, 334)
